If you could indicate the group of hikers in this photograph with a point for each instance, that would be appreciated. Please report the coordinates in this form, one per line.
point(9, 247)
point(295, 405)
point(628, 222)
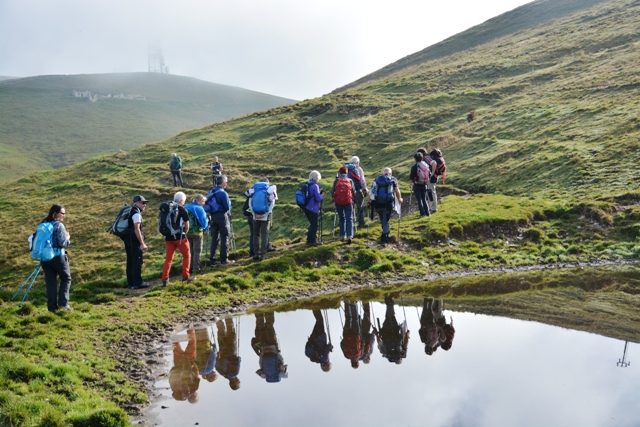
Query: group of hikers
point(204, 357)
point(184, 225)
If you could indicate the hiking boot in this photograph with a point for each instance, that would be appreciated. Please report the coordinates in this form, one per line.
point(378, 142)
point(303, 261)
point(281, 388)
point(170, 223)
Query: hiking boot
point(256, 258)
point(188, 279)
point(228, 261)
point(66, 307)
point(144, 285)
point(133, 287)
point(271, 249)
point(263, 257)
point(314, 244)
point(165, 282)
point(349, 241)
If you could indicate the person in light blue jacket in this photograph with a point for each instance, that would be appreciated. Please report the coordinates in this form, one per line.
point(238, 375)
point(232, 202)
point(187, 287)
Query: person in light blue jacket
point(59, 264)
point(198, 223)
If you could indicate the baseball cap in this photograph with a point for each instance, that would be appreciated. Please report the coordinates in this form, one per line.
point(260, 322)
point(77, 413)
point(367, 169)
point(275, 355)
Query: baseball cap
point(139, 199)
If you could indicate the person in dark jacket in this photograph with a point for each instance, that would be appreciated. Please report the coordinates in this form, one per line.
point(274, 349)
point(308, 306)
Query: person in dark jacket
point(419, 187)
point(134, 244)
point(317, 348)
point(218, 205)
point(58, 266)
point(312, 208)
point(393, 338)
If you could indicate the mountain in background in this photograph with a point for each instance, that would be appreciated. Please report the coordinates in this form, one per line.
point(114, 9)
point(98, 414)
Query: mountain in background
point(53, 121)
point(519, 19)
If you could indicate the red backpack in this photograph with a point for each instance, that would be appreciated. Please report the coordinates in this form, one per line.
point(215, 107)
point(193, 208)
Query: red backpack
point(423, 173)
point(343, 194)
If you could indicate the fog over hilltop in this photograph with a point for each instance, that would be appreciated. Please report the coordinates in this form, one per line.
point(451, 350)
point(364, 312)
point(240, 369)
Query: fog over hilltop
point(287, 48)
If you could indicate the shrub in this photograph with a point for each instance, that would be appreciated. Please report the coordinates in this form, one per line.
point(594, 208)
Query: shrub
point(382, 267)
point(106, 297)
point(366, 258)
point(101, 418)
point(238, 282)
point(534, 234)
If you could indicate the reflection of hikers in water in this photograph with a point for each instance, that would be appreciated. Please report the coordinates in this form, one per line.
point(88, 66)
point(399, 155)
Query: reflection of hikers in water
point(228, 361)
point(206, 354)
point(265, 344)
point(351, 343)
point(183, 377)
point(434, 330)
point(368, 338)
point(393, 339)
point(317, 348)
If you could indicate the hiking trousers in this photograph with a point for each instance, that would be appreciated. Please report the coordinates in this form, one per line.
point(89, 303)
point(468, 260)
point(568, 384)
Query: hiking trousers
point(359, 206)
point(420, 191)
point(261, 238)
point(195, 248)
point(385, 217)
point(432, 197)
point(313, 226)
point(134, 260)
point(172, 246)
point(345, 218)
point(177, 177)
point(58, 266)
point(220, 230)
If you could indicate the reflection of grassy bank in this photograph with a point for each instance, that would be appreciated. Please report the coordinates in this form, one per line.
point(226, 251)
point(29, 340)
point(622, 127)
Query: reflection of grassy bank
point(604, 300)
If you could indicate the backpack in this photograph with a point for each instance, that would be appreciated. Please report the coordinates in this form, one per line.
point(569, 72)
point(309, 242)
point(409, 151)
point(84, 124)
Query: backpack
point(120, 226)
point(352, 172)
point(270, 367)
point(302, 195)
point(342, 194)
point(176, 163)
point(194, 225)
point(260, 203)
point(212, 200)
point(384, 193)
point(441, 167)
point(42, 244)
point(168, 223)
point(423, 173)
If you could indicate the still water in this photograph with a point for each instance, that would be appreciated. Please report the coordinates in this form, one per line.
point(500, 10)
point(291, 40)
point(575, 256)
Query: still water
point(496, 372)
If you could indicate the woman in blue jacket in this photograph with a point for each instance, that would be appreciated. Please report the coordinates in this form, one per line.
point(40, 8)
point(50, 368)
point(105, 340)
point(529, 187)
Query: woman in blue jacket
point(59, 265)
point(312, 208)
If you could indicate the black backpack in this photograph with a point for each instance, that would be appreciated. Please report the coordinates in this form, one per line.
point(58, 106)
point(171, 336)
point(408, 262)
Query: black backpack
point(169, 222)
point(121, 226)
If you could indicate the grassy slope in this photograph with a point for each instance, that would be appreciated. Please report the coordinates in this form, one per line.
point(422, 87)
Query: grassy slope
point(43, 126)
point(522, 18)
point(547, 100)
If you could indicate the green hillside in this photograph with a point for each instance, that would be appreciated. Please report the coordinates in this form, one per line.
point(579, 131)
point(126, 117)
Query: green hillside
point(43, 126)
point(544, 172)
point(522, 18)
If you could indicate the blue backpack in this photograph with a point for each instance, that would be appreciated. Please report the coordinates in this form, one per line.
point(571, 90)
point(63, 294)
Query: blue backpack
point(260, 202)
point(270, 367)
point(212, 200)
point(42, 244)
point(352, 172)
point(384, 194)
point(302, 195)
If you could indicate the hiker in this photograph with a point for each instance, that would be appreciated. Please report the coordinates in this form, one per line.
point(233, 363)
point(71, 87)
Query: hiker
point(206, 354)
point(438, 168)
point(228, 362)
point(263, 198)
point(218, 205)
point(216, 170)
point(183, 376)
point(312, 208)
point(393, 339)
point(351, 343)
point(360, 186)
point(419, 177)
point(176, 237)
point(265, 344)
point(431, 332)
point(59, 264)
point(176, 169)
point(198, 223)
point(368, 337)
point(317, 348)
point(384, 194)
point(344, 194)
point(134, 244)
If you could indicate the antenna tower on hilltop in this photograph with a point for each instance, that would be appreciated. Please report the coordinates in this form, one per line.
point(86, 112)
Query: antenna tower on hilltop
point(156, 60)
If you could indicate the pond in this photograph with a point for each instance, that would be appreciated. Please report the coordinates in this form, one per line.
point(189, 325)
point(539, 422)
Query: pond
point(473, 370)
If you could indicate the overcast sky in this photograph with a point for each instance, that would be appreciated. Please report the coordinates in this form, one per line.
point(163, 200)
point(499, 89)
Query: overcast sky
point(293, 48)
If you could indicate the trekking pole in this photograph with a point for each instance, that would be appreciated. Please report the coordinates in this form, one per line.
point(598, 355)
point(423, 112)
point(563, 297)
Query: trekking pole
point(335, 219)
point(326, 322)
point(354, 221)
point(207, 244)
point(399, 219)
point(410, 196)
point(233, 236)
point(418, 313)
point(32, 277)
point(321, 221)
